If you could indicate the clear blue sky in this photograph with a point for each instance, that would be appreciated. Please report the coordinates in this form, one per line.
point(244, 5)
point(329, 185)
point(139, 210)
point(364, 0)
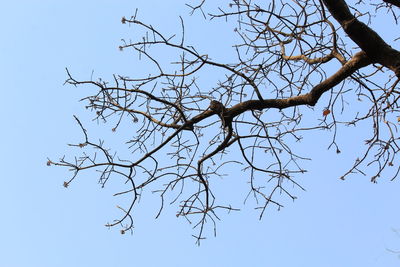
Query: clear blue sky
point(334, 223)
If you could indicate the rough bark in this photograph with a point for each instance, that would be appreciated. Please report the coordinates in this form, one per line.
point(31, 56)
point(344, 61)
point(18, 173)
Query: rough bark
point(365, 37)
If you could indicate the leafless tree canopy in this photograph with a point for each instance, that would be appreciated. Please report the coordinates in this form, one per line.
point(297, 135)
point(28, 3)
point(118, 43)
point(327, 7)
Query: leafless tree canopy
point(290, 53)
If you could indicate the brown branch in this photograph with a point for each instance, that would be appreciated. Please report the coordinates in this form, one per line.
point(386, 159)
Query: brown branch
point(358, 61)
point(366, 38)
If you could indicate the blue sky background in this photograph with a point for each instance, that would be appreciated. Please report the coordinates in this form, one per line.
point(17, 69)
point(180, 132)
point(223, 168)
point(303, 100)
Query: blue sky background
point(333, 223)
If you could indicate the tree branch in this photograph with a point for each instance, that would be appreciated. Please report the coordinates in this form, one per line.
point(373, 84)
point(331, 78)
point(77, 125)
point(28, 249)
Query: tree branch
point(358, 61)
point(366, 38)
point(393, 2)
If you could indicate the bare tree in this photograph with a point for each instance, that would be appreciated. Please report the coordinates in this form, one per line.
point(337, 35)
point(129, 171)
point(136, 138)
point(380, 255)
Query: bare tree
point(186, 133)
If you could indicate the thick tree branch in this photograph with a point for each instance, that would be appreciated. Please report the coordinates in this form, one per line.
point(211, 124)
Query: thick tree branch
point(366, 38)
point(393, 2)
point(358, 61)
